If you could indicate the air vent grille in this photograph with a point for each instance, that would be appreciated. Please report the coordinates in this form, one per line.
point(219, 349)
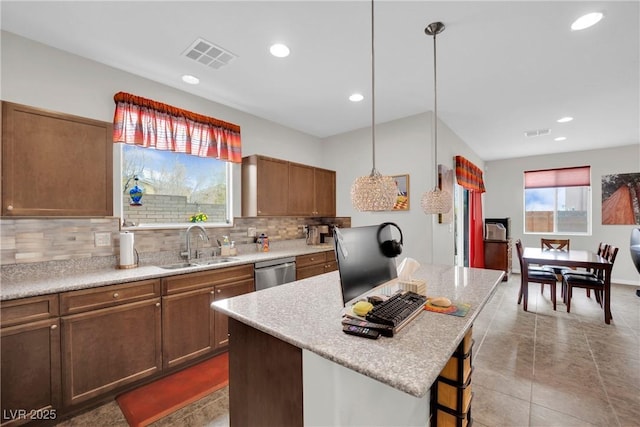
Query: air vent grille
point(537, 132)
point(208, 54)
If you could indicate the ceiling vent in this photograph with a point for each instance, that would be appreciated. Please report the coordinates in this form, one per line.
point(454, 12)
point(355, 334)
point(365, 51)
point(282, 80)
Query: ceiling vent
point(537, 132)
point(209, 54)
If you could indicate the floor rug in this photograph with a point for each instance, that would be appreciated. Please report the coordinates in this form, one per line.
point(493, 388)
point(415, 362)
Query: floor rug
point(160, 398)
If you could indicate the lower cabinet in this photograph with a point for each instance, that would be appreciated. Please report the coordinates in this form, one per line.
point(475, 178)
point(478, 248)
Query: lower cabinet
point(190, 327)
point(106, 348)
point(30, 359)
point(497, 256)
point(60, 351)
point(314, 264)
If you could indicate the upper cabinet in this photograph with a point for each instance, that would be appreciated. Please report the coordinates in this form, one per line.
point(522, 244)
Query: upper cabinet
point(55, 164)
point(273, 187)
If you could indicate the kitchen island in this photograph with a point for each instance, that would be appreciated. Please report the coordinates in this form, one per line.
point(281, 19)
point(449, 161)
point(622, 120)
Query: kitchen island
point(291, 364)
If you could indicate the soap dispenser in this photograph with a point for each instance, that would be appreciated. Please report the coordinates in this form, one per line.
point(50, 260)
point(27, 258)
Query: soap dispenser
point(226, 247)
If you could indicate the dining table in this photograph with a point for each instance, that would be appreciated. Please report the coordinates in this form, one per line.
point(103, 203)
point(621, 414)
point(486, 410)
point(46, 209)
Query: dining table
point(573, 258)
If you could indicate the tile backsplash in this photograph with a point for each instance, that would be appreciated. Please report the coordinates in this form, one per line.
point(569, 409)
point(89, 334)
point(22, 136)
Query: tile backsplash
point(34, 240)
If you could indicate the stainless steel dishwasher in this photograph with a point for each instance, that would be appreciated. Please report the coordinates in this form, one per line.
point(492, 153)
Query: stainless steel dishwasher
point(274, 272)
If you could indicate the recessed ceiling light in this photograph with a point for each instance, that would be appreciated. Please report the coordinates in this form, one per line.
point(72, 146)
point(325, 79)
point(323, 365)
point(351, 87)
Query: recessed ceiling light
point(192, 80)
point(356, 97)
point(560, 138)
point(564, 119)
point(279, 50)
point(586, 21)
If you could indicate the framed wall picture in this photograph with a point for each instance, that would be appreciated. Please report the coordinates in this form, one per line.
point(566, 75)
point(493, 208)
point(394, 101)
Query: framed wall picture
point(402, 185)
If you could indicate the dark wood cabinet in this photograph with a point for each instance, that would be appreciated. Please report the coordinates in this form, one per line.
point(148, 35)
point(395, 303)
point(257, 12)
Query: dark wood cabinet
point(109, 347)
point(265, 186)
point(301, 200)
point(325, 192)
point(221, 320)
point(497, 256)
point(314, 264)
point(30, 359)
point(55, 164)
point(189, 325)
point(273, 187)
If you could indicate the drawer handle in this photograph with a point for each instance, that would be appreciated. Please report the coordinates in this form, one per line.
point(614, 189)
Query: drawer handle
point(115, 295)
point(54, 326)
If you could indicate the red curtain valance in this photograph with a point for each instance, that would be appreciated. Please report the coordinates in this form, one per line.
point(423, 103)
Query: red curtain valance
point(148, 123)
point(469, 175)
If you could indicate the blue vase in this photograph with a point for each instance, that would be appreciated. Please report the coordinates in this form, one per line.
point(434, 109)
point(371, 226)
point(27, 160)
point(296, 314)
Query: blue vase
point(136, 194)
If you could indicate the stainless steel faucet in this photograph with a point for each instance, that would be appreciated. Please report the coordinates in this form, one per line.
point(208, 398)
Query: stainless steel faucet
point(202, 234)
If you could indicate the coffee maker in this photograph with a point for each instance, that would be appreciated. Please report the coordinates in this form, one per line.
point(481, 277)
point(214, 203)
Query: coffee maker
point(316, 234)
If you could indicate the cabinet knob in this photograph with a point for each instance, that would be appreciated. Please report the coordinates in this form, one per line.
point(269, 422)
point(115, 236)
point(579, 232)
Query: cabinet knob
point(54, 326)
point(213, 292)
point(115, 295)
point(157, 304)
point(219, 290)
point(10, 207)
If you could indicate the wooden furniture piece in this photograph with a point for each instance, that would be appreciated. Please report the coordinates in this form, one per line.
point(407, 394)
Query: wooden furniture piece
point(573, 258)
point(542, 275)
point(555, 244)
point(110, 337)
point(190, 328)
point(497, 256)
point(593, 281)
point(317, 263)
point(274, 187)
point(30, 359)
point(55, 164)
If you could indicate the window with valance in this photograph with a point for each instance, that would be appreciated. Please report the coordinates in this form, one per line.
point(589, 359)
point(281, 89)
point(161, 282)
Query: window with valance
point(558, 201)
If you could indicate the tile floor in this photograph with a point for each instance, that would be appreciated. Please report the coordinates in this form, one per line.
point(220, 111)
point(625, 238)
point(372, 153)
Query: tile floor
point(536, 368)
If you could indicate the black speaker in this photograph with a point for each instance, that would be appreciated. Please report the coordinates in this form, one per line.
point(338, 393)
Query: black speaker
point(390, 248)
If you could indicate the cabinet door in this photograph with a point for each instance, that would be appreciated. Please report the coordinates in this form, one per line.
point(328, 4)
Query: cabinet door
point(221, 320)
point(301, 190)
point(272, 186)
point(325, 192)
point(107, 348)
point(187, 326)
point(309, 271)
point(30, 370)
point(55, 164)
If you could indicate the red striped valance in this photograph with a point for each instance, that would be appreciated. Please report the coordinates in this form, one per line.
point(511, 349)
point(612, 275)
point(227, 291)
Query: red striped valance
point(153, 124)
point(469, 175)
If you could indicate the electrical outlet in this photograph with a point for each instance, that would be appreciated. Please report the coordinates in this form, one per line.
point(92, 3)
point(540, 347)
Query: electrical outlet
point(102, 239)
point(251, 232)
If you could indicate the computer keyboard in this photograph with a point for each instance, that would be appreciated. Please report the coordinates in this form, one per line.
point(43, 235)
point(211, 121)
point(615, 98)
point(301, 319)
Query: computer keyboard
point(398, 310)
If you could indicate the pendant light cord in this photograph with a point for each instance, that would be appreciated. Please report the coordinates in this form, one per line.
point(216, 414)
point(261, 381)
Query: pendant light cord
point(435, 110)
point(373, 94)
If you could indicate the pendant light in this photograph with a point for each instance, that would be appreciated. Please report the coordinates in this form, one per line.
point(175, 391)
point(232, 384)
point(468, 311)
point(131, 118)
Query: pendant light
point(374, 192)
point(436, 201)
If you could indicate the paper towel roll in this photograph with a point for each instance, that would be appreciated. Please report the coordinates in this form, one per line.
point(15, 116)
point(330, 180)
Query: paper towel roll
point(127, 256)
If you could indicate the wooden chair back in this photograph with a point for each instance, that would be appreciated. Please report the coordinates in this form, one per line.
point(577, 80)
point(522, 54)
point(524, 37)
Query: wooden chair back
point(554, 244)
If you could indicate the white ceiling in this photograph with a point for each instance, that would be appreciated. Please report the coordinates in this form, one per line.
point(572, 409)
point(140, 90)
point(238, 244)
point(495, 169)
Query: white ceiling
point(503, 67)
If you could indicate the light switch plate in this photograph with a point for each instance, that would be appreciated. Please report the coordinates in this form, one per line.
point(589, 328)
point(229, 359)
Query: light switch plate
point(102, 239)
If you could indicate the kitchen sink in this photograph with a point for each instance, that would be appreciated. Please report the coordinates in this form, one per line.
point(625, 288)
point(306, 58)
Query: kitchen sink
point(197, 263)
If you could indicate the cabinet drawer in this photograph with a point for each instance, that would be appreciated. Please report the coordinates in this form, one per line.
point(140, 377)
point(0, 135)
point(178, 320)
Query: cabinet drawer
point(189, 281)
point(107, 296)
point(310, 259)
point(31, 309)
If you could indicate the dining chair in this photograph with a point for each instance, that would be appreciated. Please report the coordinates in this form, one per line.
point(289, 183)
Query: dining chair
point(555, 245)
point(542, 275)
point(602, 249)
point(594, 280)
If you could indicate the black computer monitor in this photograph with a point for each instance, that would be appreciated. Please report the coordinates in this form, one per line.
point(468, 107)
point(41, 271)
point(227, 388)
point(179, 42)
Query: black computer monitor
point(361, 263)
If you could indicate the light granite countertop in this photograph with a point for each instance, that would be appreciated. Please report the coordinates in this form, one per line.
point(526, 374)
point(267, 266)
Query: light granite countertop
point(307, 314)
point(28, 280)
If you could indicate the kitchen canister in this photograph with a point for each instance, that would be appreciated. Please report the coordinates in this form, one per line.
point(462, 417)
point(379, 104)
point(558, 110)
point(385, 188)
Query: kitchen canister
point(128, 254)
